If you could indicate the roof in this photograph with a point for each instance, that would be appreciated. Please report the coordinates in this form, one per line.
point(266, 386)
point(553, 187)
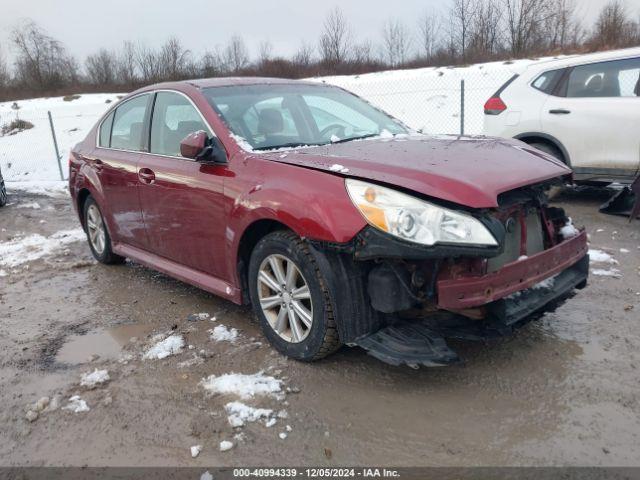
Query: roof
point(571, 60)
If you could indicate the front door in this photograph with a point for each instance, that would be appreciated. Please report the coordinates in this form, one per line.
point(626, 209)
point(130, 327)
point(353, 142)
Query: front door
point(181, 199)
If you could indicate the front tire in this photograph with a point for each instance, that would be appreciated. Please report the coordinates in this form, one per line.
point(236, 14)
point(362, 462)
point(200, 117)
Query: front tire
point(98, 235)
point(290, 298)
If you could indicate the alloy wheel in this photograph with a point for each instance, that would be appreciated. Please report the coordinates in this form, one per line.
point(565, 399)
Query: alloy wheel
point(285, 298)
point(95, 226)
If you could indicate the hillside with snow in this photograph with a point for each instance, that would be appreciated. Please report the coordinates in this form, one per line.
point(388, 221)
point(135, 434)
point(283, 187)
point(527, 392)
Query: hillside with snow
point(426, 99)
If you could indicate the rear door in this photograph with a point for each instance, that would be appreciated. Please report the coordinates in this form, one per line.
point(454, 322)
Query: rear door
point(596, 116)
point(115, 162)
point(181, 199)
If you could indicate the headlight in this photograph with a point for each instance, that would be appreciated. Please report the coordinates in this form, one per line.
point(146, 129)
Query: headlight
point(415, 220)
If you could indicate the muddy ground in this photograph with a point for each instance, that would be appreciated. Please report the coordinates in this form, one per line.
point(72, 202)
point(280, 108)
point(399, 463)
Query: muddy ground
point(562, 391)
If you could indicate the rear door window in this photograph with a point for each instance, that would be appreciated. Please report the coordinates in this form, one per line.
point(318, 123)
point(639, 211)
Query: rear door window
point(128, 124)
point(619, 78)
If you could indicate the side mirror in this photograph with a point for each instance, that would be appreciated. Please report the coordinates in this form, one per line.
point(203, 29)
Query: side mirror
point(198, 146)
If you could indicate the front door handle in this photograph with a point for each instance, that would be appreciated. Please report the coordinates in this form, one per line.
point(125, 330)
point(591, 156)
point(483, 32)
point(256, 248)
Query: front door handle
point(146, 176)
point(559, 111)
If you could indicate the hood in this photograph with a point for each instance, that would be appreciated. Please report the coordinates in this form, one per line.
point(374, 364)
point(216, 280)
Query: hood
point(469, 171)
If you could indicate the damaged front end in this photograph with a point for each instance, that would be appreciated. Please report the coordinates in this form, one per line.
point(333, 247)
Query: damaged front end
point(413, 297)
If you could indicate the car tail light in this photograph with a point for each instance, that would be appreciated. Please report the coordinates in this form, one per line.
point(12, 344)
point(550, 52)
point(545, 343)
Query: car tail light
point(494, 106)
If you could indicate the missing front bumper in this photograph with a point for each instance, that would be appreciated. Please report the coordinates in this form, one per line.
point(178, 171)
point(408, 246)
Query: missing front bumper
point(422, 342)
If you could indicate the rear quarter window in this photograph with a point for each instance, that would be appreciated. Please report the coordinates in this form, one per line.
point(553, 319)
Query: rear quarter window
point(105, 132)
point(547, 81)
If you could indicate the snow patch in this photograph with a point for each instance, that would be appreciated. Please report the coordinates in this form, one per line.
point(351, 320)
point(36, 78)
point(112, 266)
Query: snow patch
point(195, 450)
point(239, 413)
point(95, 378)
point(33, 205)
point(336, 167)
point(569, 231)
point(600, 256)
point(165, 348)
point(223, 334)
point(27, 249)
point(244, 386)
point(615, 273)
point(226, 445)
point(76, 405)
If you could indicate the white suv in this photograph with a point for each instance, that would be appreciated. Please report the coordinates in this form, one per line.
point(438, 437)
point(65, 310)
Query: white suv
point(585, 110)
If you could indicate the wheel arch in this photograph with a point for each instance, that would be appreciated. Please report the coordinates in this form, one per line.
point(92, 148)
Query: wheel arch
point(533, 137)
point(81, 199)
point(249, 239)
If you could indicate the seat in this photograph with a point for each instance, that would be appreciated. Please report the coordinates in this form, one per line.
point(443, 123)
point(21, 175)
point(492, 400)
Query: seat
point(270, 122)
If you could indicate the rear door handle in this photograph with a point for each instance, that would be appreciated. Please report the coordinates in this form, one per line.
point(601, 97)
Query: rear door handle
point(559, 111)
point(146, 176)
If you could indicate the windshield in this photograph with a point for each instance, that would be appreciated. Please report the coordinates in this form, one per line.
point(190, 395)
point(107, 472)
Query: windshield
point(289, 115)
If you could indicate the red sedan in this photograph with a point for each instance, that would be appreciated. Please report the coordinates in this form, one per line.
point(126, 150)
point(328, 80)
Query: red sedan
point(334, 220)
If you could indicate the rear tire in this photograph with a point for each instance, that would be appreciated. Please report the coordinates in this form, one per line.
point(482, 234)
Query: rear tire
point(290, 298)
point(98, 235)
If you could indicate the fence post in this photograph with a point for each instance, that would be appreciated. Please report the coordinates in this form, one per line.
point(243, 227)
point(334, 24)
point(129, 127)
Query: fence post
point(462, 107)
point(55, 145)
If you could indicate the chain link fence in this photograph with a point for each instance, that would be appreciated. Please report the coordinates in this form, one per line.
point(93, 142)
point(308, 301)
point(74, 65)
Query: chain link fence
point(432, 100)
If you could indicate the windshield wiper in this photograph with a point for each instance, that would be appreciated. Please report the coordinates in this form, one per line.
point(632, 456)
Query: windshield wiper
point(288, 145)
point(368, 135)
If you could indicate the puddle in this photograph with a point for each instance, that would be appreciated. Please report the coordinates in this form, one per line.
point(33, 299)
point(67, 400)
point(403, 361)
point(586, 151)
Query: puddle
point(107, 344)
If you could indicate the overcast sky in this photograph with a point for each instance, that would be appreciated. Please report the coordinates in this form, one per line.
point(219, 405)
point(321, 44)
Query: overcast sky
point(86, 25)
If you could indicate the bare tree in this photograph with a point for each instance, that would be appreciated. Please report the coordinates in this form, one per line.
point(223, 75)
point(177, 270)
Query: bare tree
point(486, 34)
point(175, 61)
point(525, 20)
point(4, 71)
point(212, 63)
point(396, 42)
point(101, 67)
point(461, 19)
point(304, 56)
point(265, 52)
point(614, 28)
point(236, 56)
point(429, 28)
point(148, 63)
point(41, 61)
point(126, 65)
point(363, 53)
point(335, 40)
point(563, 30)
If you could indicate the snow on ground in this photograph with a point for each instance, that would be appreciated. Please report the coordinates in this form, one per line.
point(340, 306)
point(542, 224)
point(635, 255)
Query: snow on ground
point(600, 256)
point(27, 249)
point(221, 333)
point(95, 378)
point(600, 272)
point(33, 205)
point(76, 405)
point(225, 445)
point(51, 188)
point(165, 348)
point(244, 386)
point(195, 450)
point(29, 154)
point(239, 413)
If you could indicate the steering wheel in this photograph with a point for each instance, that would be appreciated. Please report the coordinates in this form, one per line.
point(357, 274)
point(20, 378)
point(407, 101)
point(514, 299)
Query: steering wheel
point(335, 129)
